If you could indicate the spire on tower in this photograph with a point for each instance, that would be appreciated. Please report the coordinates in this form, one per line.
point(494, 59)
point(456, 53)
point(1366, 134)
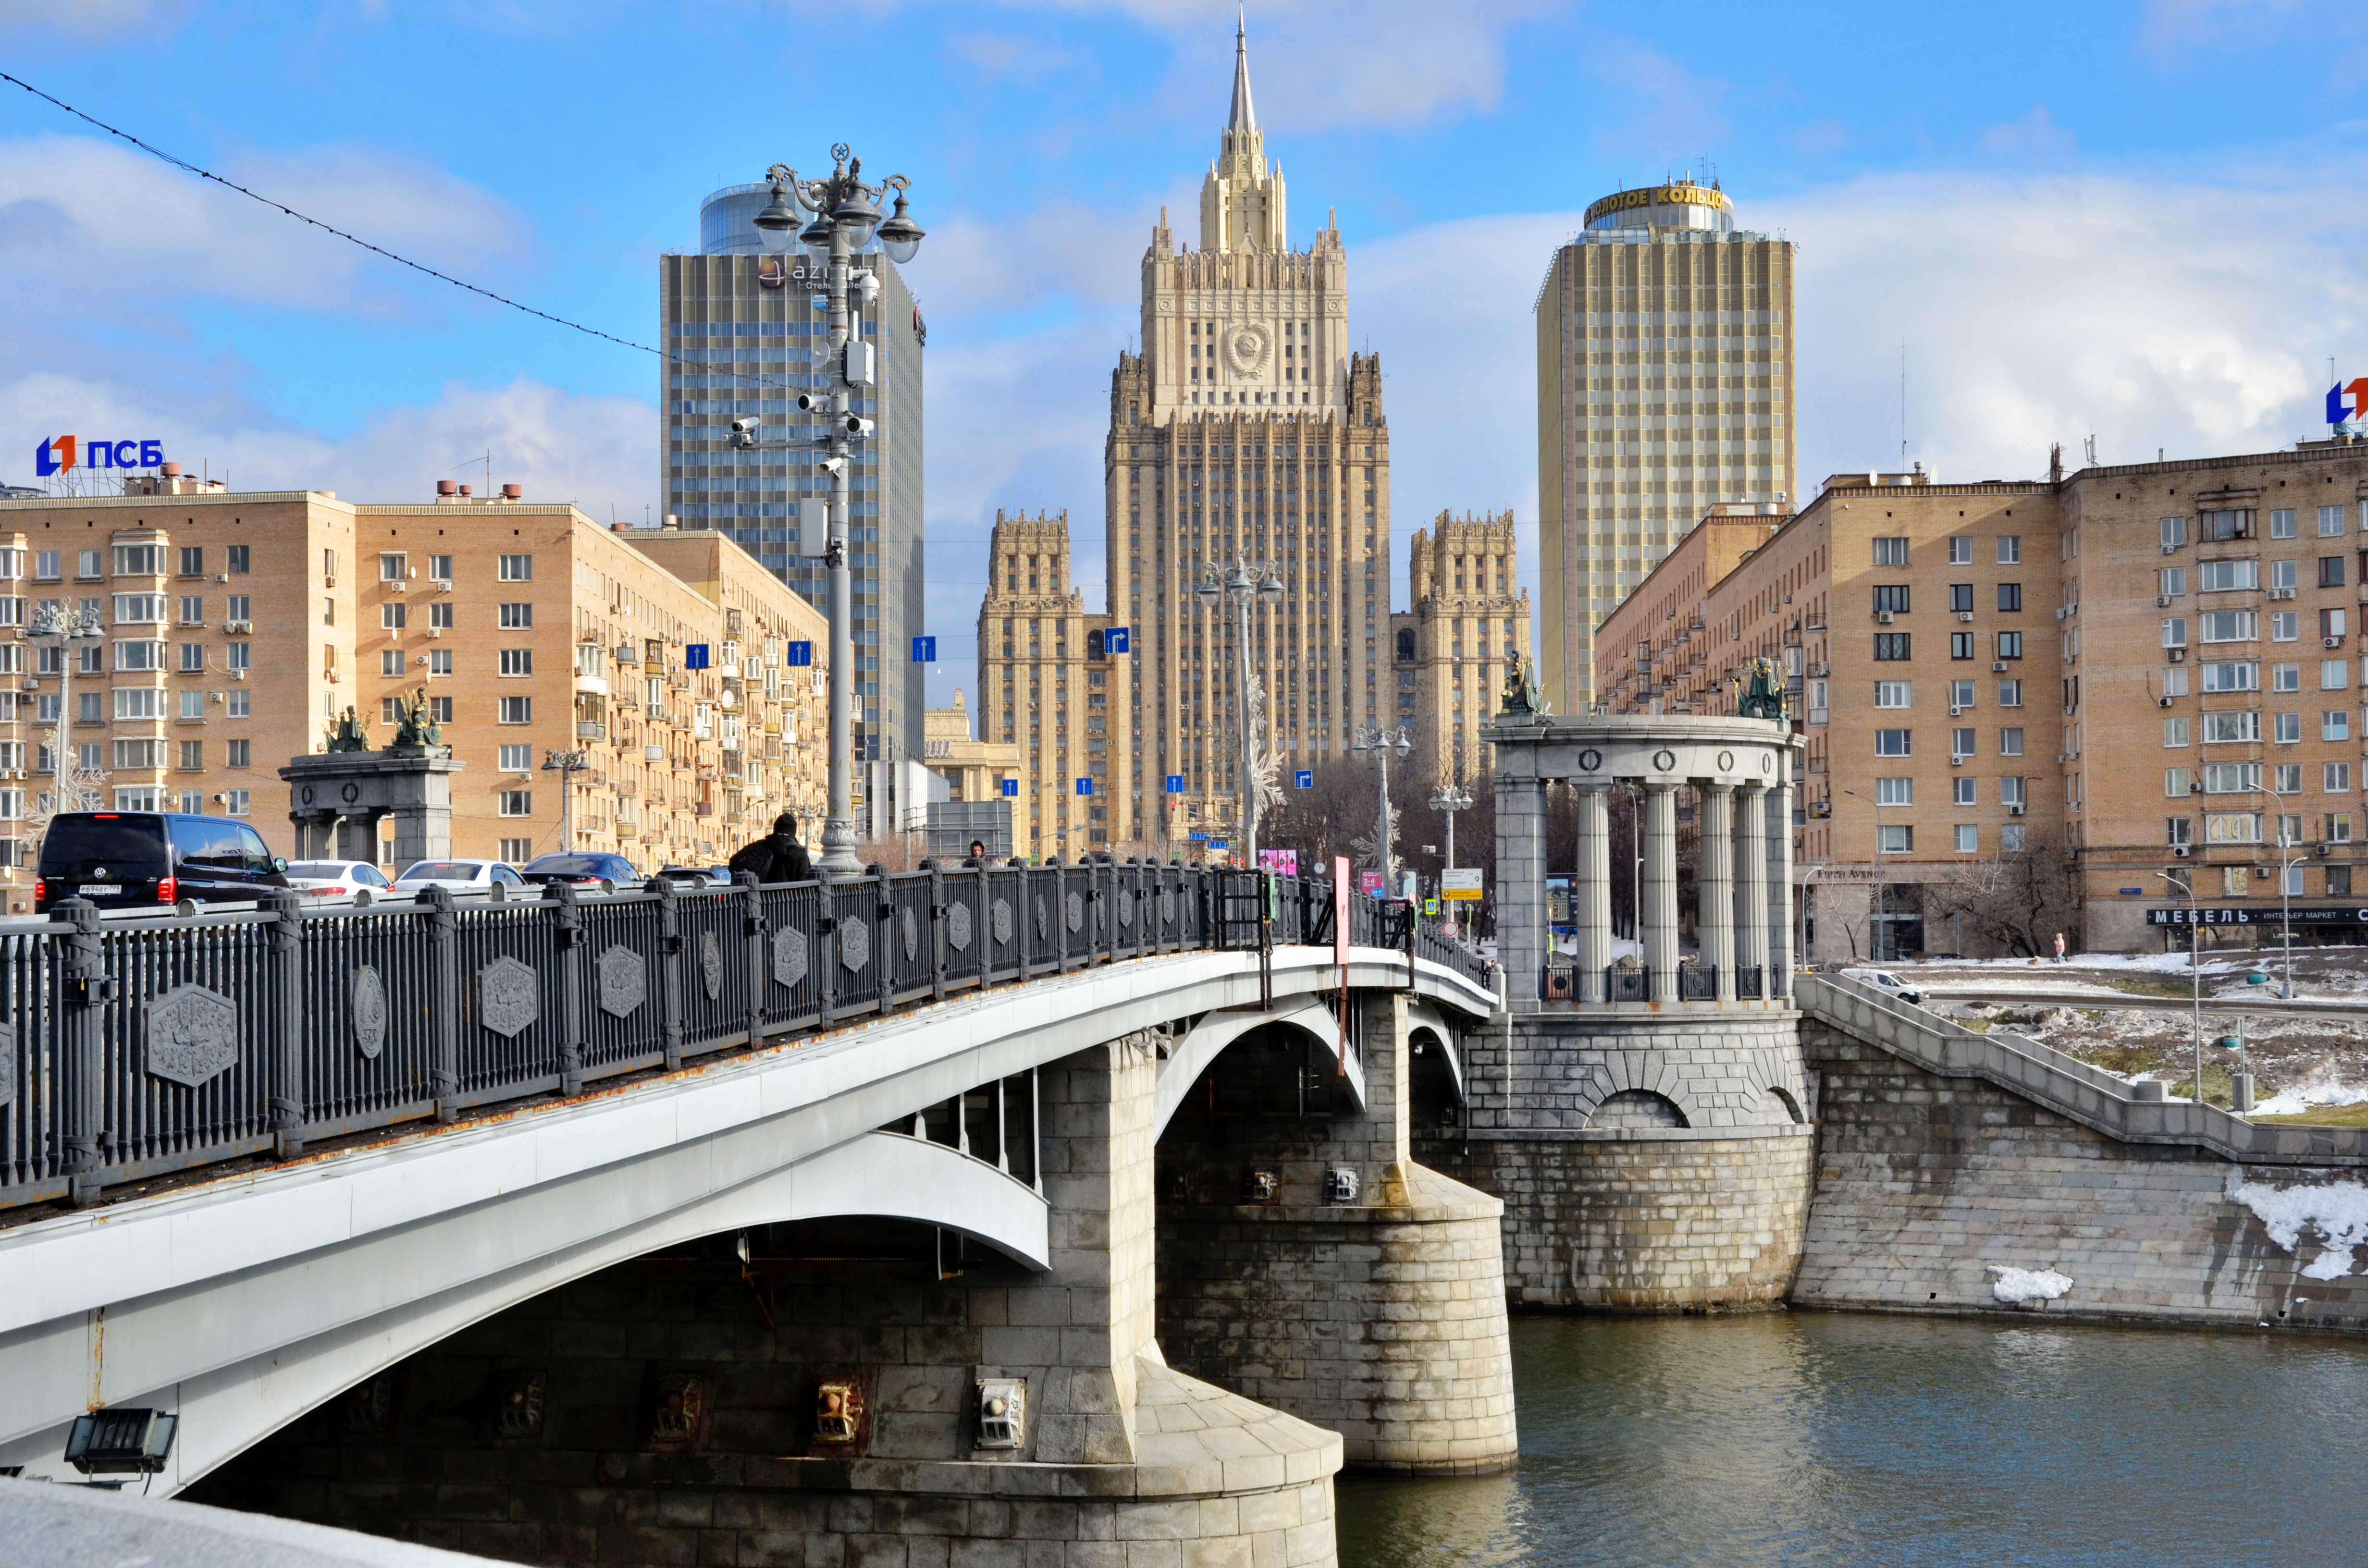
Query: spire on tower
point(1244, 117)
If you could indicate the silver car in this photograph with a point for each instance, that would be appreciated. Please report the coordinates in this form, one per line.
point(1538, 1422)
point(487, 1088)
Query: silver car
point(463, 877)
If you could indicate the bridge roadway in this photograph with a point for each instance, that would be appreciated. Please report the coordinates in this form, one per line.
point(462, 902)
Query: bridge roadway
point(243, 1299)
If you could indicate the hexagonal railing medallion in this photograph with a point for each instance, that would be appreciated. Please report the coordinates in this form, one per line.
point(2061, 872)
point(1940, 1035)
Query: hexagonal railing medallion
point(958, 927)
point(789, 957)
point(912, 932)
point(366, 1001)
point(192, 1034)
point(710, 966)
point(854, 943)
point(1076, 912)
point(1043, 924)
point(1126, 906)
point(1167, 906)
point(508, 998)
point(1001, 920)
point(620, 980)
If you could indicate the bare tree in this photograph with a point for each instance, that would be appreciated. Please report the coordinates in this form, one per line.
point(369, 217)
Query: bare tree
point(2021, 899)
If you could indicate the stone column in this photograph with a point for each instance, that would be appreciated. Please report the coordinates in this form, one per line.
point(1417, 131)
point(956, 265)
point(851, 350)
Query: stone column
point(1751, 877)
point(1591, 893)
point(1521, 887)
point(1779, 886)
point(1660, 888)
point(1716, 873)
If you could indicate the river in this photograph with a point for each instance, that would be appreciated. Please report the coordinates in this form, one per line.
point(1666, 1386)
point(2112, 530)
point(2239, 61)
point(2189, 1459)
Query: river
point(1830, 1439)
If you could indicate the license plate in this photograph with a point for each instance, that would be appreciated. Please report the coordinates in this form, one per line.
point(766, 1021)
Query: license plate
point(89, 887)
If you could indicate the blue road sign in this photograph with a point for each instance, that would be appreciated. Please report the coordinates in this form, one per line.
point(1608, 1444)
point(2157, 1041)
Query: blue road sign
point(1197, 837)
point(1303, 778)
point(1011, 786)
point(694, 656)
point(1115, 640)
point(801, 655)
point(925, 650)
point(1085, 786)
point(1219, 844)
point(1175, 783)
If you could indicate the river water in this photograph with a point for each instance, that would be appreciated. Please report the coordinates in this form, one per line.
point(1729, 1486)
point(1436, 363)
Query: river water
point(1846, 1440)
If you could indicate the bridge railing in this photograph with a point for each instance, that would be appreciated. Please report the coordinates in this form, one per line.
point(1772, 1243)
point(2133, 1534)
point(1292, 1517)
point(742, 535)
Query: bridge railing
point(130, 1049)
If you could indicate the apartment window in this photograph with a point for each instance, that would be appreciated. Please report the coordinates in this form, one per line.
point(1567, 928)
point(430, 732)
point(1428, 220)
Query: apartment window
point(2335, 724)
point(516, 759)
point(392, 616)
point(439, 615)
point(439, 661)
point(1969, 838)
point(2009, 644)
point(517, 710)
point(2236, 726)
point(193, 657)
point(1893, 743)
point(2335, 777)
point(1960, 694)
point(517, 617)
point(390, 663)
point(1895, 792)
point(193, 756)
point(1960, 644)
point(2177, 831)
point(238, 802)
point(518, 851)
point(2285, 626)
point(2009, 596)
point(193, 561)
point(2339, 881)
point(139, 561)
point(138, 754)
point(2236, 674)
point(238, 657)
point(2331, 623)
point(2172, 581)
point(193, 704)
point(2334, 675)
point(392, 567)
point(2285, 677)
point(1890, 598)
point(441, 709)
point(1961, 550)
point(1961, 792)
point(2174, 532)
point(2230, 576)
point(1895, 838)
point(2230, 626)
point(2286, 729)
point(139, 609)
point(2281, 523)
point(2236, 524)
point(518, 661)
point(2010, 693)
point(2009, 549)
point(239, 704)
point(516, 569)
point(2231, 778)
point(517, 802)
point(1891, 552)
point(193, 610)
point(328, 610)
point(2174, 733)
point(2285, 779)
point(2338, 827)
point(2331, 522)
point(140, 656)
point(2232, 827)
point(2010, 838)
point(1890, 694)
point(240, 754)
point(1961, 598)
point(139, 702)
point(440, 568)
point(235, 559)
point(2010, 741)
point(1891, 646)
point(2330, 571)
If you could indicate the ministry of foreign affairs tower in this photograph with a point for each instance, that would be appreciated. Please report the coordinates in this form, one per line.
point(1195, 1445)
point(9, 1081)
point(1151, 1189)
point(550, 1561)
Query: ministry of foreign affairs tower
point(1665, 387)
point(1245, 427)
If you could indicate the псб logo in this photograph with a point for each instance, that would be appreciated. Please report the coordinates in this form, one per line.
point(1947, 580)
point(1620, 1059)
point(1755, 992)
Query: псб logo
point(57, 454)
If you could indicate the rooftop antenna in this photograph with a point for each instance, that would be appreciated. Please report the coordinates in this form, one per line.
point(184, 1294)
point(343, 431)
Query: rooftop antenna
point(2088, 448)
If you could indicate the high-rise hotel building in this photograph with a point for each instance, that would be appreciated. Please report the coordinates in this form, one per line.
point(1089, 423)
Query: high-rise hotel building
point(1246, 428)
point(1665, 387)
point(741, 327)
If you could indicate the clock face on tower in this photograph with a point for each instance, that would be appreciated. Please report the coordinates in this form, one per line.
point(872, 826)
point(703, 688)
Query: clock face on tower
point(1247, 347)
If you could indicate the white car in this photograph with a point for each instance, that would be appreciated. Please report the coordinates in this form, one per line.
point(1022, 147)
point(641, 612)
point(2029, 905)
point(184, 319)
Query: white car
point(463, 877)
point(337, 881)
point(1890, 984)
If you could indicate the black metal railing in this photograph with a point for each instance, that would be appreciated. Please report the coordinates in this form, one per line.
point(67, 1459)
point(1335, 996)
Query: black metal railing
point(1747, 981)
point(1697, 982)
point(131, 1048)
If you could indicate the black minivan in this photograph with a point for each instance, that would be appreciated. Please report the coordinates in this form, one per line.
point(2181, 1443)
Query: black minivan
point(147, 859)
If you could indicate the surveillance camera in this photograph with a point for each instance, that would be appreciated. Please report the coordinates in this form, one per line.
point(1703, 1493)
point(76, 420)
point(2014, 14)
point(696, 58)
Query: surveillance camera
point(744, 426)
point(859, 426)
point(814, 401)
point(868, 285)
point(833, 466)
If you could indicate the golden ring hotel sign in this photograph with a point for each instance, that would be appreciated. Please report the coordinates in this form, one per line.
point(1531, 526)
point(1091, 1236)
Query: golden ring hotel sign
point(1685, 193)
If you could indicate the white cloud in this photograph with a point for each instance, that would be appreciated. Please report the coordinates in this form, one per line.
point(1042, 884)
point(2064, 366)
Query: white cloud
point(1349, 62)
point(90, 19)
point(2176, 28)
point(2035, 141)
point(1676, 112)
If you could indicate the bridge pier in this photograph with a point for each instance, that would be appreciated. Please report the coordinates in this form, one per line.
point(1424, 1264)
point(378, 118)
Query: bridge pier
point(676, 1408)
point(1378, 1313)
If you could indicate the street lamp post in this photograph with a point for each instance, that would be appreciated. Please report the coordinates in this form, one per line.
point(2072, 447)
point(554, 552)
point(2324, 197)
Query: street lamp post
point(1448, 800)
point(1880, 927)
point(845, 217)
point(1243, 582)
point(1381, 742)
point(567, 764)
point(53, 628)
point(2194, 967)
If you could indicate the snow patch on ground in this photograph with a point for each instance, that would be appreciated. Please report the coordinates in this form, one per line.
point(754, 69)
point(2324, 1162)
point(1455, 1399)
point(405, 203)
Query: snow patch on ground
point(2017, 1286)
point(2338, 1210)
point(2305, 1097)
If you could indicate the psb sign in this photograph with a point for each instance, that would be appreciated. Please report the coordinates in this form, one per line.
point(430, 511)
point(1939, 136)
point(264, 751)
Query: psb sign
point(62, 454)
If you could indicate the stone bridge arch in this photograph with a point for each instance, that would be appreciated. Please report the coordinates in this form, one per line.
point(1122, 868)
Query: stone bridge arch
point(1210, 1035)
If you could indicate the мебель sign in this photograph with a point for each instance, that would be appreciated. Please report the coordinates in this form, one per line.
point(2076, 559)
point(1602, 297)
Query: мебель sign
point(60, 453)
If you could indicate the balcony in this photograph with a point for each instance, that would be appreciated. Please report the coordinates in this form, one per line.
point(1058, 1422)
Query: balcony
point(591, 729)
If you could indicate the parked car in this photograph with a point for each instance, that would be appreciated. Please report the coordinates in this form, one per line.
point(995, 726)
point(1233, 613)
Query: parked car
point(337, 881)
point(583, 869)
point(463, 877)
point(1890, 984)
point(694, 875)
point(149, 860)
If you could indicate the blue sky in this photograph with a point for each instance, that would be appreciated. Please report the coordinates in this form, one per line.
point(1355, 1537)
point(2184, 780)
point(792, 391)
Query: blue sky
point(2140, 221)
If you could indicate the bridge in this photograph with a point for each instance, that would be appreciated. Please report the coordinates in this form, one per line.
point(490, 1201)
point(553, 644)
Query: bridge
point(959, 1163)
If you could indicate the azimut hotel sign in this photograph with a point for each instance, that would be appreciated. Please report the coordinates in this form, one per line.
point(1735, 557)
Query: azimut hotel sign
point(60, 454)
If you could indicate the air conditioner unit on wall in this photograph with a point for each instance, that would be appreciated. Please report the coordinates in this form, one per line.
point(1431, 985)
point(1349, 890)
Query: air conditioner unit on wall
point(2162, 601)
point(2181, 851)
point(1883, 618)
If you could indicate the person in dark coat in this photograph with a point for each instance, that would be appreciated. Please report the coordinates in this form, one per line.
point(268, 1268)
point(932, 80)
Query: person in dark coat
point(778, 856)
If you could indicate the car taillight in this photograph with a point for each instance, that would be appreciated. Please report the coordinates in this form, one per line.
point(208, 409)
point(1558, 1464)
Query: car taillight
point(40, 889)
point(169, 888)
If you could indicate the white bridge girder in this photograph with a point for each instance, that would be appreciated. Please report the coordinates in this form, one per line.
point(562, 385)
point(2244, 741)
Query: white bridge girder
point(244, 1302)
